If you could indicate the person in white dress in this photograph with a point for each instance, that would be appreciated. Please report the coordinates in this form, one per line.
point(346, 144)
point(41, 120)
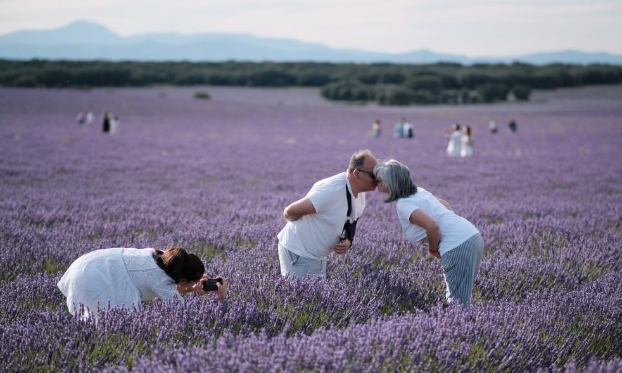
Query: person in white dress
point(126, 277)
point(466, 143)
point(453, 147)
point(115, 122)
point(89, 118)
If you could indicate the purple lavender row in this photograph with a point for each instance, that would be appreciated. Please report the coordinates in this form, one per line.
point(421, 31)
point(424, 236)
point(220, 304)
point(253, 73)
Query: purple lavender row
point(550, 329)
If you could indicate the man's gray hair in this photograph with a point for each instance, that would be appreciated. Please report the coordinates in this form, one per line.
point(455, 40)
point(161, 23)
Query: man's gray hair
point(396, 178)
point(357, 161)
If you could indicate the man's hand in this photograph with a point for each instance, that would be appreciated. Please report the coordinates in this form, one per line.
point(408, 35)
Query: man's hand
point(434, 253)
point(343, 245)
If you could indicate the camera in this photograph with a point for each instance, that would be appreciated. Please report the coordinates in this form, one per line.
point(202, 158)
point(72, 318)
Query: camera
point(210, 284)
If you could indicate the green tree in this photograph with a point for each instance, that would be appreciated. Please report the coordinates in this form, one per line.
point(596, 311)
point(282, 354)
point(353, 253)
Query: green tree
point(431, 84)
point(492, 92)
point(395, 95)
point(521, 92)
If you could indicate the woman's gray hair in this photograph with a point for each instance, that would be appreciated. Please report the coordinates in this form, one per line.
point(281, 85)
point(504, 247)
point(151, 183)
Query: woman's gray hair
point(396, 178)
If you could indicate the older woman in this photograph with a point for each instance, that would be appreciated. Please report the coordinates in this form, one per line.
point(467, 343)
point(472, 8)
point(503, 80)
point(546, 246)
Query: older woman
point(423, 216)
point(123, 277)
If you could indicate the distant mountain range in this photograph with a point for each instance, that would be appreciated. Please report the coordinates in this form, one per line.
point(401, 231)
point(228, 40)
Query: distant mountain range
point(83, 40)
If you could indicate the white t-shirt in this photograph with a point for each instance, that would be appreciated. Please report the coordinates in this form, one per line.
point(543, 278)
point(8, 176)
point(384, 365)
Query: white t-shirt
point(119, 277)
point(313, 236)
point(454, 229)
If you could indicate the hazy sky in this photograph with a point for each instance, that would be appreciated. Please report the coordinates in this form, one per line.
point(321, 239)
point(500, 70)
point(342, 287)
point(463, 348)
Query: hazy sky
point(468, 27)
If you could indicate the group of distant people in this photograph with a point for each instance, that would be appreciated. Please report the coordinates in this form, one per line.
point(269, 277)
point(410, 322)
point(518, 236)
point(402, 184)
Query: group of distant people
point(460, 141)
point(493, 128)
point(110, 121)
point(402, 129)
point(87, 118)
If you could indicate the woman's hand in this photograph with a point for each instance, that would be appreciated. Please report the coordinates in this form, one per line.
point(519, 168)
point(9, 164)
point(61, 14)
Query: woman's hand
point(433, 232)
point(434, 253)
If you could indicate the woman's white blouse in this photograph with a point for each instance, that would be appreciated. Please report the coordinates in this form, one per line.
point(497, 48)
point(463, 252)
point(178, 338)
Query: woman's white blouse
point(117, 277)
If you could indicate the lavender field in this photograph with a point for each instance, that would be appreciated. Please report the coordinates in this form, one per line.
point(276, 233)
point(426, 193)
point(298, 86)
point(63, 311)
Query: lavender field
point(214, 176)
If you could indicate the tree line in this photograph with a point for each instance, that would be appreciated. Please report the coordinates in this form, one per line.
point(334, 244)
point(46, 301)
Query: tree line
point(385, 83)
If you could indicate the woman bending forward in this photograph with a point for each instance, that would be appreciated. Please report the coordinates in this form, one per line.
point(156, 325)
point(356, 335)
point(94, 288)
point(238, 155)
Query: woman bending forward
point(124, 277)
point(423, 216)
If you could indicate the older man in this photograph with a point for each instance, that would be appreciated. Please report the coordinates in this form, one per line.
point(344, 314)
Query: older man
point(325, 219)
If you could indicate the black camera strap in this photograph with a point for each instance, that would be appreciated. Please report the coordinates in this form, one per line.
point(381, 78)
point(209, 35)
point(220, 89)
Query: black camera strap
point(349, 197)
point(349, 228)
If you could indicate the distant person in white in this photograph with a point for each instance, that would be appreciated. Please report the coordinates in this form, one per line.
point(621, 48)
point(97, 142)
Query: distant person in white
point(453, 147)
point(429, 219)
point(492, 126)
point(319, 224)
point(466, 142)
point(90, 117)
point(115, 122)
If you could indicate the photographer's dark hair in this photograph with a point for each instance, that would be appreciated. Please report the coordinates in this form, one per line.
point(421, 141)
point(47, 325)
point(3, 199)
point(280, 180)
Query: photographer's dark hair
point(179, 264)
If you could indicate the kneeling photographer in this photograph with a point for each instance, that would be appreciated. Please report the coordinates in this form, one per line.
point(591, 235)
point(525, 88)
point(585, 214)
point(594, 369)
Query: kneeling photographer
point(126, 277)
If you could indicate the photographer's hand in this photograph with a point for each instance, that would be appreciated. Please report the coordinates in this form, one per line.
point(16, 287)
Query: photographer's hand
point(198, 287)
point(222, 288)
point(184, 286)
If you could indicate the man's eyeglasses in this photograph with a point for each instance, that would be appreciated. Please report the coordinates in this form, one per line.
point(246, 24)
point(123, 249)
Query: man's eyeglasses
point(371, 174)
